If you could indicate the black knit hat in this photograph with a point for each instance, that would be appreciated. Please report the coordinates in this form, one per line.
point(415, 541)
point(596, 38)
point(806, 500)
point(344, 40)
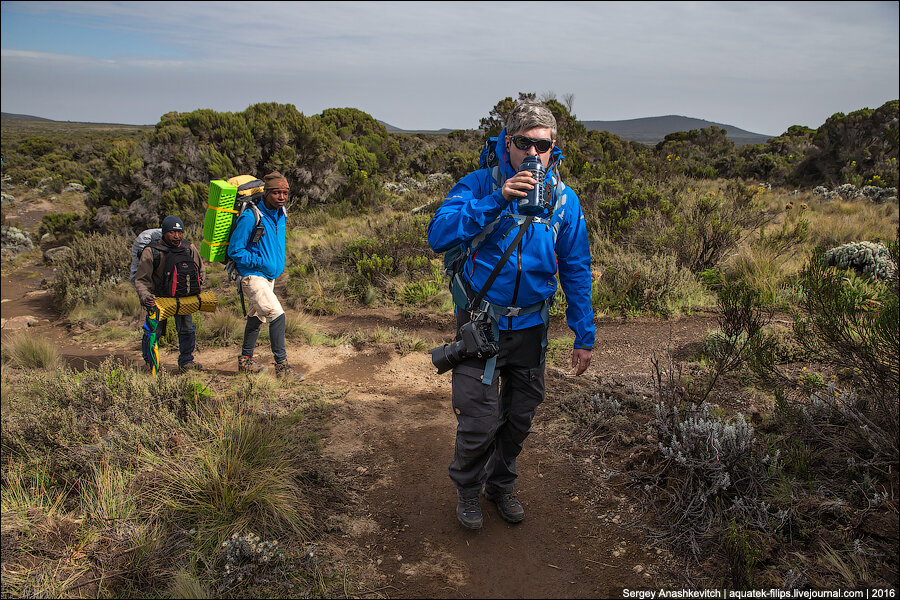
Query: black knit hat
point(172, 223)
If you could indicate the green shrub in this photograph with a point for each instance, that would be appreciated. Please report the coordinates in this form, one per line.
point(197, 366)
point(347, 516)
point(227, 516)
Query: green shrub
point(110, 413)
point(855, 328)
point(705, 227)
point(632, 282)
point(62, 226)
point(94, 260)
point(420, 293)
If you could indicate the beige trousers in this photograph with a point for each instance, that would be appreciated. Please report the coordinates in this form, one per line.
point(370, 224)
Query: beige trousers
point(259, 293)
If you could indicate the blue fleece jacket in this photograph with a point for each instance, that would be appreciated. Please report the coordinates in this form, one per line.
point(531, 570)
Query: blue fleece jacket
point(265, 257)
point(528, 277)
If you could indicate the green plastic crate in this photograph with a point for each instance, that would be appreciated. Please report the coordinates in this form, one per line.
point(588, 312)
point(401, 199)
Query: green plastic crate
point(217, 222)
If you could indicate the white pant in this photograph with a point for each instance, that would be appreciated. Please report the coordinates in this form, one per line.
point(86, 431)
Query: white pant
point(259, 294)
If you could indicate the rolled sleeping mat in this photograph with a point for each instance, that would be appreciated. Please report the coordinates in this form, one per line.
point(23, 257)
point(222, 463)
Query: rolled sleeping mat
point(205, 301)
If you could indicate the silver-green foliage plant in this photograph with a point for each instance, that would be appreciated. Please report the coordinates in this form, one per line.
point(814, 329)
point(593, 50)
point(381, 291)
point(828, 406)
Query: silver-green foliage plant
point(710, 474)
point(13, 241)
point(247, 557)
point(869, 258)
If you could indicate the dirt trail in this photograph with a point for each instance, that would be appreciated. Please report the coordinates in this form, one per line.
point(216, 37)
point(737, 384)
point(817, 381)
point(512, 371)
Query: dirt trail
point(392, 437)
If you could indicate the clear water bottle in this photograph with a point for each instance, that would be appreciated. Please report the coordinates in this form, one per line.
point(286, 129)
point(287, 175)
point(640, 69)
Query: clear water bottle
point(533, 203)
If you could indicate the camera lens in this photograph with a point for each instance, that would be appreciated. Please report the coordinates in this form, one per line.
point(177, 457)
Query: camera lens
point(447, 356)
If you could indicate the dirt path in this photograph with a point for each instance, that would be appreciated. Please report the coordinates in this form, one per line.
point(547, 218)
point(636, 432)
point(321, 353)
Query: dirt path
point(392, 437)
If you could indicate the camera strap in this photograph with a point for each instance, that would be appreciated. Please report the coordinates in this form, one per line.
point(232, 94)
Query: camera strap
point(478, 311)
point(476, 303)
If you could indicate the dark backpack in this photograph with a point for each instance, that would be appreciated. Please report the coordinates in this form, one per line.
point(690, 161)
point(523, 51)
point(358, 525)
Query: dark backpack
point(180, 277)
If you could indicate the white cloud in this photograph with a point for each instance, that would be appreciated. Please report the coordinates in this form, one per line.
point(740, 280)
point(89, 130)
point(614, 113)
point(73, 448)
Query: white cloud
point(757, 65)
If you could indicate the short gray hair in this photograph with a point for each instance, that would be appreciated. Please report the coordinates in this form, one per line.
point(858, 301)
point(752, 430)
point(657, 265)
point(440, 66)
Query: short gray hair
point(528, 115)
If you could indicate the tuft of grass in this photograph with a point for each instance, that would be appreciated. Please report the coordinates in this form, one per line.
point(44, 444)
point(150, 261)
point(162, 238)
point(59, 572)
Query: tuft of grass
point(220, 327)
point(300, 326)
point(185, 585)
point(29, 488)
point(238, 478)
point(24, 351)
point(105, 496)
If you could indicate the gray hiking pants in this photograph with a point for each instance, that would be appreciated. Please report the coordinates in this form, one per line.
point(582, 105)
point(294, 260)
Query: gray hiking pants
point(277, 330)
point(492, 424)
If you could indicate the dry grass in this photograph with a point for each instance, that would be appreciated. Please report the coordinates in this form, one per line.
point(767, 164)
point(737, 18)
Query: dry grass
point(837, 222)
point(25, 351)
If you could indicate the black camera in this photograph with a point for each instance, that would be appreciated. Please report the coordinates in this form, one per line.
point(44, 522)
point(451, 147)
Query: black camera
point(476, 341)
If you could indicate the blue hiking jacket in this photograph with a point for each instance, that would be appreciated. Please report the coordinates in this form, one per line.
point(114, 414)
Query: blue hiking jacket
point(528, 277)
point(266, 257)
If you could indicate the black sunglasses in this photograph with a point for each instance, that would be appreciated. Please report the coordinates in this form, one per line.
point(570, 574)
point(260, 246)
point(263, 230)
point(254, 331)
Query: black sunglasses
point(524, 143)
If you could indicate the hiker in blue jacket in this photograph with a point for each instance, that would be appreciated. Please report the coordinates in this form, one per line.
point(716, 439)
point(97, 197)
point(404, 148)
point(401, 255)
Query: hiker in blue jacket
point(258, 251)
point(495, 399)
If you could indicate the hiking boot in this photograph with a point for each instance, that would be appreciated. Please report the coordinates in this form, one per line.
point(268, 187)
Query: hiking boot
point(246, 364)
point(191, 366)
point(508, 506)
point(283, 370)
point(468, 511)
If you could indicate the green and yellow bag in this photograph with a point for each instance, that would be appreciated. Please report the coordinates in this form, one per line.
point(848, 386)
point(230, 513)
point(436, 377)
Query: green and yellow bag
point(227, 199)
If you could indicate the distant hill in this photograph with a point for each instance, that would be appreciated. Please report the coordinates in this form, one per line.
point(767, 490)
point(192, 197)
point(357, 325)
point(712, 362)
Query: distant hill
point(18, 117)
point(7, 115)
point(392, 129)
point(649, 130)
point(652, 130)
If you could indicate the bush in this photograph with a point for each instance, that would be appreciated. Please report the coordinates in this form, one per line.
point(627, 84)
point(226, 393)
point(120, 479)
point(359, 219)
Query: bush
point(839, 324)
point(705, 227)
point(109, 413)
point(709, 475)
point(866, 257)
point(95, 261)
point(636, 283)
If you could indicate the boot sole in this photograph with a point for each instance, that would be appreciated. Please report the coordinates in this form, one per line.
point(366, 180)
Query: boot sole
point(473, 526)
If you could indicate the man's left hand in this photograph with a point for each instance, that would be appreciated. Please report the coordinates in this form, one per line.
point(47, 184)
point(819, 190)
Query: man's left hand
point(581, 359)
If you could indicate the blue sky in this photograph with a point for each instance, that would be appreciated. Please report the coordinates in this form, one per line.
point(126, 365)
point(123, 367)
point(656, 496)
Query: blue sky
point(760, 66)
